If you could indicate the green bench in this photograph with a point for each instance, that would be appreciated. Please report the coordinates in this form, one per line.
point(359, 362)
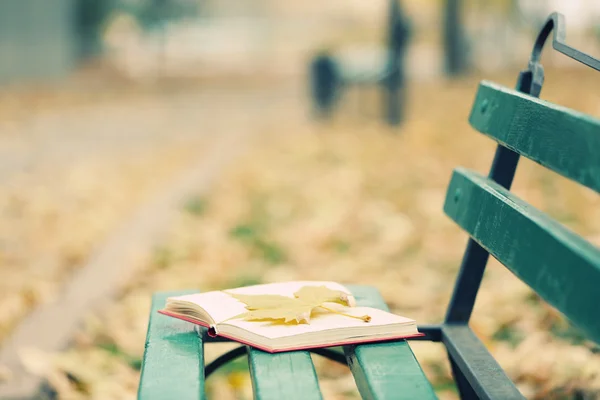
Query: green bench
point(562, 267)
point(333, 73)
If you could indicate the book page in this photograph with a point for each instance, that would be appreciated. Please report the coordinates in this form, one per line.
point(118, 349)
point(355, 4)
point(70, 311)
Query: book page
point(221, 306)
point(322, 321)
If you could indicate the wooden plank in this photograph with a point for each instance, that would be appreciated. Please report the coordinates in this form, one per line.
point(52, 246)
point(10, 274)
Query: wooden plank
point(483, 373)
point(289, 376)
point(173, 365)
point(385, 370)
point(556, 137)
point(562, 267)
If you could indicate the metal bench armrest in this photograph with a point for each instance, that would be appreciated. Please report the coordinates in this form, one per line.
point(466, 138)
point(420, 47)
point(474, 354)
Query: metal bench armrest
point(479, 368)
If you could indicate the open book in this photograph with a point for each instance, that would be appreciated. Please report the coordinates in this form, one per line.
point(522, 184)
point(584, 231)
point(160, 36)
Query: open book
point(221, 312)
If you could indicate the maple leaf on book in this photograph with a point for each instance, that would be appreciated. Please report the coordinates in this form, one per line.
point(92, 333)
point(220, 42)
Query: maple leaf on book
point(288, 316)
point(297, 309)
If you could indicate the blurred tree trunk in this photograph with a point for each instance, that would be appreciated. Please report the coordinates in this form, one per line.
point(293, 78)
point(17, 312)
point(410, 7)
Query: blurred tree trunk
point(90, 16)
point(455, 59)
point(395, 83)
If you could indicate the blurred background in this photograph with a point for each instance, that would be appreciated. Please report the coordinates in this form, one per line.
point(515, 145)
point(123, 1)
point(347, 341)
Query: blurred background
point(151, 145)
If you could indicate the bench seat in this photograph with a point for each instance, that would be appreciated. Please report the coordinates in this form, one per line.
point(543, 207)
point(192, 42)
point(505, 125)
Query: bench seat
point(173, 366)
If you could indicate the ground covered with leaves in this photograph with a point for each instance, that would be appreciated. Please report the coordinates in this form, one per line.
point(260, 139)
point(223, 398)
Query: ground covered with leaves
point(355, 202)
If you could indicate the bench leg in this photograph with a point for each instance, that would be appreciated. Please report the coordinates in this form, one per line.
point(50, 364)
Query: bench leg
point(464, 387)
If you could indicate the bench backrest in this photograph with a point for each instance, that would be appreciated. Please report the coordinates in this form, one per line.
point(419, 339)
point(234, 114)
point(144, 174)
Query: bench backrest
point(562, 267)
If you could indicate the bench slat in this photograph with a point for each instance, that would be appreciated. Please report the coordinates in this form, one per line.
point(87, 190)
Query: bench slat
point(385, 370)
point(173, 366)
point(562, 267)
point(556, 137)
point(484, 374)
point(283, 375)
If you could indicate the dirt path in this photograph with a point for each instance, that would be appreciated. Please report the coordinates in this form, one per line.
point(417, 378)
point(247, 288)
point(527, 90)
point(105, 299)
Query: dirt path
point(90, 190)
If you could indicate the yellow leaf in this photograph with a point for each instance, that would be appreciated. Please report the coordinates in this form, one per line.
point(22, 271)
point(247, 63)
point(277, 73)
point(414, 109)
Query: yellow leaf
point(296, 309)
point(298, 313)
point(263, 301)
point(322, 294)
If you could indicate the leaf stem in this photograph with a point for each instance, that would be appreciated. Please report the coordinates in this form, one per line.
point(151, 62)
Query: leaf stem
point(364, 318)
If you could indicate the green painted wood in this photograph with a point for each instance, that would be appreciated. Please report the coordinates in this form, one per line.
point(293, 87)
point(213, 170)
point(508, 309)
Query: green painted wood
point(289, 375)
point(562, 267)
point(173, 365)
point(563, 140)
point(385, 370)
point(481, 370)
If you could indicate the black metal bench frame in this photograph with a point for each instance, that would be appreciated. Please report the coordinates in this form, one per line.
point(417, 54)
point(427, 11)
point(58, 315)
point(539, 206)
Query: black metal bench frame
point(327, 82)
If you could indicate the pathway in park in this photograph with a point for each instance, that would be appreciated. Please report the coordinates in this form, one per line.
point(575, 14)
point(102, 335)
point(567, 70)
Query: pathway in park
point(143, 157)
